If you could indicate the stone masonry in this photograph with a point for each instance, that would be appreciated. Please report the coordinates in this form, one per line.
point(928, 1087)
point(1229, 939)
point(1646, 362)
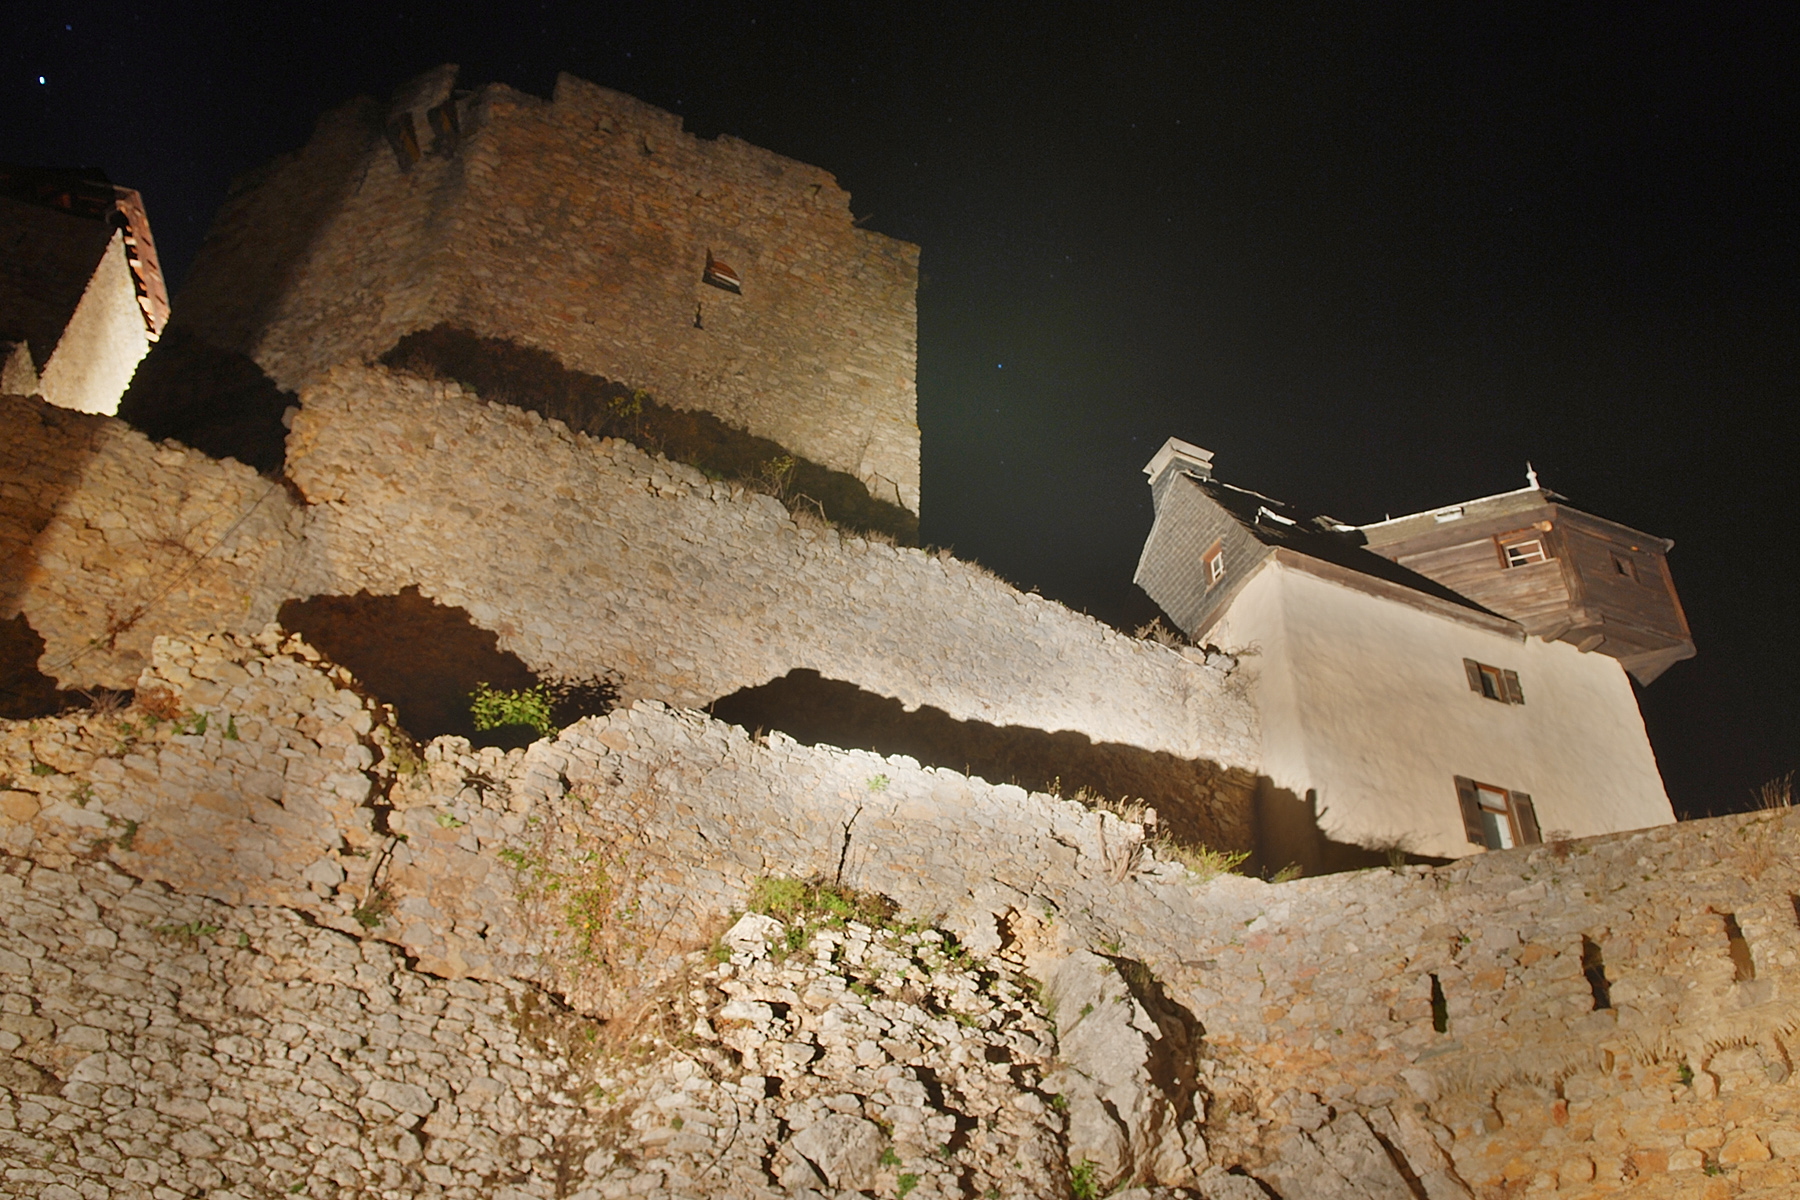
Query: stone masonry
point(580, 225)
point(1607, 1016)
point(587, 557)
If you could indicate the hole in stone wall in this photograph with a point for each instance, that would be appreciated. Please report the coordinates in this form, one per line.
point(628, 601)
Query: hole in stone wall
point(535, 380)
point(1594, 967)
point(1795, 901)
point(1743, 965)
point(425, 659)
point(1440, 1008)
point(1198, 803)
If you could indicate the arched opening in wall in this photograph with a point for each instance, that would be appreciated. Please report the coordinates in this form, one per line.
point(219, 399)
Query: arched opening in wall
point(1440, 1008)
point(1197, 803)
point(427, 659)
point(216, 401)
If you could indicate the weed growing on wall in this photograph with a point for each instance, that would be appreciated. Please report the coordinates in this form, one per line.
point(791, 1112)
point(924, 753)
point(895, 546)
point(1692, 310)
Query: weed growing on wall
point(496, 708)
point(1202, 862)
point(805, 905)
point(1776, 793)
point(1084, 1180)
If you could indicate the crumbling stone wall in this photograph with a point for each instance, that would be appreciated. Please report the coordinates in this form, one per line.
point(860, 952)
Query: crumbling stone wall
point(589, 559)
point(1321, 1061)
point(582, 226)
point(592, 556)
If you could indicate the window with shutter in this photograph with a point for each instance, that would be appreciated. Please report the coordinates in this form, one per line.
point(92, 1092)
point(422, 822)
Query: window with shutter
point(1526, 815)
point(1471, 810)
point(1496, 817)
point(1495, 683)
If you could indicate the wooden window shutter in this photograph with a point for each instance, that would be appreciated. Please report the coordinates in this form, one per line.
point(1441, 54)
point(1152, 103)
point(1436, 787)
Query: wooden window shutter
point(1527, 815)
point(1474, 670)
point(1514, 694)
point(1471, 810)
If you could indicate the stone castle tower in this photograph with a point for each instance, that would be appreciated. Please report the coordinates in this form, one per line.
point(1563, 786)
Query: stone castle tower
point(716, 275)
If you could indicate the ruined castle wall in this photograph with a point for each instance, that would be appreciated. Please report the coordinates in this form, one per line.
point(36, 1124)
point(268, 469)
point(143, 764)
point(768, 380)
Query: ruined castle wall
point(107, 539)
point(582, 226)
point(1312, 1000)
point(591, 557)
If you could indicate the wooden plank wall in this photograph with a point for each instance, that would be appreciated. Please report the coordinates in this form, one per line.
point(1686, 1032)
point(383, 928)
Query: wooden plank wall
point(1536, 596)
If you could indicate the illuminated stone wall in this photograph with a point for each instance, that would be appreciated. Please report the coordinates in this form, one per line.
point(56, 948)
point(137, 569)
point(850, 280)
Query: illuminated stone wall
point(1611, 1015)
point(591, 556)
point(587, 558)
point(108, 539)
point(581, 226)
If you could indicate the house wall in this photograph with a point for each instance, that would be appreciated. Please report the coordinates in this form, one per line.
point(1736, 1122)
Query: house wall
point(1366, 702)
point(581, 226)
point(103, 342)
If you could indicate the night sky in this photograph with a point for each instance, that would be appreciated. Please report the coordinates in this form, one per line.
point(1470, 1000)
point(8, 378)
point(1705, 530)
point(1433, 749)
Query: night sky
point(1375, 257)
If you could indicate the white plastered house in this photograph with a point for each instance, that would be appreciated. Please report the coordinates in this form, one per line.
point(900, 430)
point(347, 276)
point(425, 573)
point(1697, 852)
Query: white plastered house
point(1438, 683)
point(81, 291)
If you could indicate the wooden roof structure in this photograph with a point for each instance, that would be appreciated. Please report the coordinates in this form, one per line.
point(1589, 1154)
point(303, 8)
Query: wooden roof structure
point(1522, 563)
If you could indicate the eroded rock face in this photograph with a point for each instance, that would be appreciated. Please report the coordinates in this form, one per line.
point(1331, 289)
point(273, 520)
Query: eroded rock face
point(1134, 1108)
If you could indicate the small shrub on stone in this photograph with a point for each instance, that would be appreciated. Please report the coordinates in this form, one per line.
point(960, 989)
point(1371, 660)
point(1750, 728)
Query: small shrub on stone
point(1203, 862)
point(1776, 793)
point(1161, 634)
point(374, 910)
point(496, 708)
point(798, 903)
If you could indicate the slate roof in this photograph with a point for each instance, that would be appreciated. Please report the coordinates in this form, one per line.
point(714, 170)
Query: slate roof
point(1320, 537)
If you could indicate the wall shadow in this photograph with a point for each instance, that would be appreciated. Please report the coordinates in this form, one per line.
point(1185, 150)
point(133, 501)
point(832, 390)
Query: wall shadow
point(44, 451)
point(217, 401)
point(1288, 835)
point(425, 659)
point(1198, 802)
point(265, 230)
point(26, 692)
point(508, 373)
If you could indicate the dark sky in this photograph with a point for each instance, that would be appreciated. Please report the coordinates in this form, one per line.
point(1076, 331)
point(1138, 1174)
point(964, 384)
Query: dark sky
point(1375, 256)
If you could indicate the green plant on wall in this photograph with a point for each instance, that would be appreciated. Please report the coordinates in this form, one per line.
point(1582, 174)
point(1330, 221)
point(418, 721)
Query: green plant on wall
point(496, 708)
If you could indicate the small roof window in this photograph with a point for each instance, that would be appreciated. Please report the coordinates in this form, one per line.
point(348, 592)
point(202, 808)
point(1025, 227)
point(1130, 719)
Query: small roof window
point(721, 275)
